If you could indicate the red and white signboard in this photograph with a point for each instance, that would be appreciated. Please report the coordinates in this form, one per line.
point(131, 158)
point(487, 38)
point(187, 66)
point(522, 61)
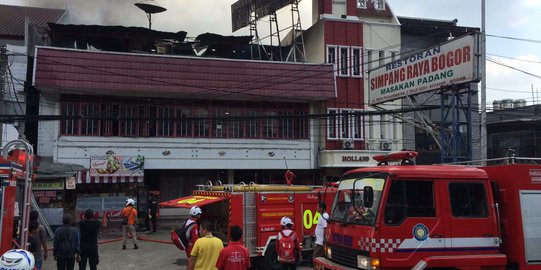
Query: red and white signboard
point(450, 63)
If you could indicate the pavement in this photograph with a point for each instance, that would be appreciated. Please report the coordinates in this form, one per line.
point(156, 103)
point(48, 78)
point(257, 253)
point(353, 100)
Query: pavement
point(156, 252)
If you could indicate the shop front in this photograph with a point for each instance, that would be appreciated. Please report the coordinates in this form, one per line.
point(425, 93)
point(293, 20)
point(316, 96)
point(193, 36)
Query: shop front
point(109, 182)
point(54, 188)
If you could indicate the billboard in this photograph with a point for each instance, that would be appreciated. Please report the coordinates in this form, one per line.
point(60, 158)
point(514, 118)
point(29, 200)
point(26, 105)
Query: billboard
point(450, 63)
point(241, 10)
point(240, 14)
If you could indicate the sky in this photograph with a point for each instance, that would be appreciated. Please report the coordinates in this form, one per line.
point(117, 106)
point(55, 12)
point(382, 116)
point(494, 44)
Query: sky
point(519, 19)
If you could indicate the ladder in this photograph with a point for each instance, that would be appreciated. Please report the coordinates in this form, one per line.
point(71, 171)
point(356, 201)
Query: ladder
point(41, 217)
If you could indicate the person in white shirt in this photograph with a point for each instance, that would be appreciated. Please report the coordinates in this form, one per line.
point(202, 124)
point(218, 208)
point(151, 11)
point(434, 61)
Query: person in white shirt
point(320, 229)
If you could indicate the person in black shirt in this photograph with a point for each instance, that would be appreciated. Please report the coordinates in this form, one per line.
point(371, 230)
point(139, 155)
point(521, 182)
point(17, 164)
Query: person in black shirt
point(89, 228)
point(66, 247)
point(152, 211)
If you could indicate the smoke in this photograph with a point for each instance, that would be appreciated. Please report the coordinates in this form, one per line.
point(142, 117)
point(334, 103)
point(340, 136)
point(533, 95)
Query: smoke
point(193, 16)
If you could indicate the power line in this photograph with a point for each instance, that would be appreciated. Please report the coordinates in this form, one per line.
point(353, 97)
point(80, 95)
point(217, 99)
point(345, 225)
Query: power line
point(514, 58)
point(515, 38)
point(514, 68)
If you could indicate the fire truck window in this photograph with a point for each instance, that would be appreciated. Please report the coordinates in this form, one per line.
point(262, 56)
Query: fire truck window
point(468, 200)
point(420, 199)
point(409, 199)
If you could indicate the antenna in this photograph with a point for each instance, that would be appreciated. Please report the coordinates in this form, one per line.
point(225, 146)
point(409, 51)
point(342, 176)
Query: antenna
point(150, 7)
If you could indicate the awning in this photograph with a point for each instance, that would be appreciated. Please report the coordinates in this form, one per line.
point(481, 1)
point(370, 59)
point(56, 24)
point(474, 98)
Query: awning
point(194, 200)
point(84, 178)
point(48, 169)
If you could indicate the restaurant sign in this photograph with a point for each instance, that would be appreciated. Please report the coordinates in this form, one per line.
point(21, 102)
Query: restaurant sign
point(453, 62)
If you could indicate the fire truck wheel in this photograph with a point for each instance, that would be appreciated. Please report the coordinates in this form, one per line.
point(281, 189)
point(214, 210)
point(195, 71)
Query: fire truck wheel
point(270, 260)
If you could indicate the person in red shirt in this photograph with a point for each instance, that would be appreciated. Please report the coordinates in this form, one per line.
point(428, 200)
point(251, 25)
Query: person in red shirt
point(193, 231)
point(235, 256)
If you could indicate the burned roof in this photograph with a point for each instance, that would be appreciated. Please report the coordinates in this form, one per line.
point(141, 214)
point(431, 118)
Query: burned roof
point(109, 38)
point(432, 27)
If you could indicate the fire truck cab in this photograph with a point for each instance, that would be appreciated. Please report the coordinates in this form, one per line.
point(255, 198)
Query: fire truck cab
point(435, 216)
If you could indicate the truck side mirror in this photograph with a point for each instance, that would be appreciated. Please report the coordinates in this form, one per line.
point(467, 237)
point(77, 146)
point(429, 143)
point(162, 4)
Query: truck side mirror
point(368, 196)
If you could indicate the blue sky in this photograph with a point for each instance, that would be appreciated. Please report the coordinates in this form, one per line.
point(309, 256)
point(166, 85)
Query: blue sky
point(519, 19)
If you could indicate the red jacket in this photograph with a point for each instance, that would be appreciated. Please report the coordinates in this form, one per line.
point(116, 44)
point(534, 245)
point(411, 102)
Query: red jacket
point(234, 257)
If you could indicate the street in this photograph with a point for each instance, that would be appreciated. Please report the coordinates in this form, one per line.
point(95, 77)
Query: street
point(155, 252)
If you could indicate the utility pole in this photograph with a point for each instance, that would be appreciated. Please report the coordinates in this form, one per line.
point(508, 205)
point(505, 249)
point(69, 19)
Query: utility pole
point(3, 69)
point(483, 85)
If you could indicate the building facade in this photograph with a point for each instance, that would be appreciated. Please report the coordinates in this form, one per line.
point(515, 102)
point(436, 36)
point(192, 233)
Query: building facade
point(355, 36)
point(167, 123)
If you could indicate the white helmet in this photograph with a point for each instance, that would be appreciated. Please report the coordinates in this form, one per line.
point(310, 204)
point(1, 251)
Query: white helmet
point(195, 210)
point(130, 202)
point(285, 220)
point(17, 259)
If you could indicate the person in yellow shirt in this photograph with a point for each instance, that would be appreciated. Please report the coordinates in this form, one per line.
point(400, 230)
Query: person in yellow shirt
point(206, 250)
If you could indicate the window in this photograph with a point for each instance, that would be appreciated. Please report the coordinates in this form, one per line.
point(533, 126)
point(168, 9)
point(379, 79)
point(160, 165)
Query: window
point(271, 125)
point(142, 117)
point(301, 125)
point(70, 126)
point(165, 123)
point(184, 122)
point(383, 127)
point(356, 62)
point(332, 123)
point(379, 4)
point(361, 3)
point(90, 124)
point(109, 126)
point(381, 58)
point(148, 125)
point(344, 124)
point(393, 56)
point(357, 121)
point(287, 118)
point(129, 125)
point(253, 124)
point(348, 122)
point(409, 199)
point(468, 200)
point(202, 123)
point(331, 56)
point(220, 122)
point(236, 124)
point(370, 59)
point(344, 61)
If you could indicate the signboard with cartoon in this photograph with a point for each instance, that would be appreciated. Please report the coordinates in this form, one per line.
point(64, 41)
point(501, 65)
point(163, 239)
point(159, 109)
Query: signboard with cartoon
point(112, 165)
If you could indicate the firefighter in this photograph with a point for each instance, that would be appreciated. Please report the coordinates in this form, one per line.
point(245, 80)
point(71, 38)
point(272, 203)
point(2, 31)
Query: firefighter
point(288, 245)
point(195, 213)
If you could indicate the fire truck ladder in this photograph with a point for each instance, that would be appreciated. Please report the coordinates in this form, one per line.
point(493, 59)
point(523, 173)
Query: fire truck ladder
point(42, 220)
point(25, 213)
point(249, 221)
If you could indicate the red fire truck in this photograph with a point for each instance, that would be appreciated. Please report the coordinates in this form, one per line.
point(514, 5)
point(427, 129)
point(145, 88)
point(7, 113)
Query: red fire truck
point(15, 194)
point(257, 209)
point(440, 216)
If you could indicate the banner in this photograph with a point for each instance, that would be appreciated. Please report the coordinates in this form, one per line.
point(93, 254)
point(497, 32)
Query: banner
point(47, 185)
point(450, 63)
point(115, 166)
